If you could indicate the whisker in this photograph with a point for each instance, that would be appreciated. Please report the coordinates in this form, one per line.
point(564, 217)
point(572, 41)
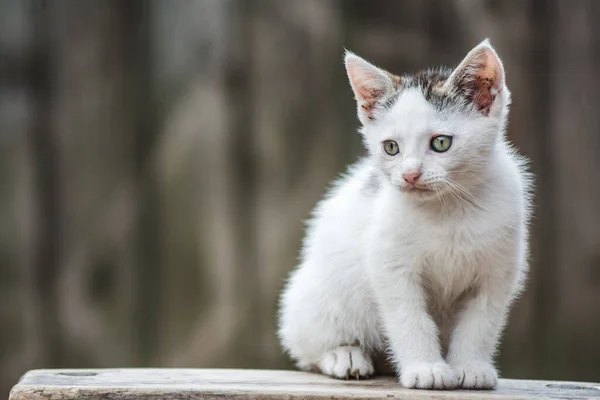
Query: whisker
point(441, 199)
point(462, 193)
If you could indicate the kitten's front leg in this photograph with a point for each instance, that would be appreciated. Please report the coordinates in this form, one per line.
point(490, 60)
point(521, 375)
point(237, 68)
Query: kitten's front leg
point(412, 333)
point(474, 339)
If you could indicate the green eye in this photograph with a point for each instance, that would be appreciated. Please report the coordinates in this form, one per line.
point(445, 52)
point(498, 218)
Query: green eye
point(390, 147)
point(441, 143)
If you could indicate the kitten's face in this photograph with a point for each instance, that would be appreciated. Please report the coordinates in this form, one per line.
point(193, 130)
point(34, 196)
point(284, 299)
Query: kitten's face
point(445, 146)
point(432, 133)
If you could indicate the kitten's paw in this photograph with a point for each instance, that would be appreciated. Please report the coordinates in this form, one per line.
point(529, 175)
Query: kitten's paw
point(346, 362)
point(476, 375)
point(428, 376)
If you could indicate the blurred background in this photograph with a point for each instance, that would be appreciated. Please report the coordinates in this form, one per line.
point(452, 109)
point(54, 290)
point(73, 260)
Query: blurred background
point(158, 158)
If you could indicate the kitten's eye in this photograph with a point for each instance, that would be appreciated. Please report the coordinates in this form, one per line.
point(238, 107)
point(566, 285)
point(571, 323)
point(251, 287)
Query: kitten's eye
point(441, 143)
point(390, 147)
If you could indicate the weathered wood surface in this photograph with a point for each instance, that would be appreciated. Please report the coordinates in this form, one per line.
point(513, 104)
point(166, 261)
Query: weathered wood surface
point(146, 383)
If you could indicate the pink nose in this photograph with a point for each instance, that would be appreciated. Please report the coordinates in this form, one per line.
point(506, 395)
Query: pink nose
point(411, 177)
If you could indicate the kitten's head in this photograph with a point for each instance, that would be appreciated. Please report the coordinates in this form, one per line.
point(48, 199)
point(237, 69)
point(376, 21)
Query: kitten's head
point(433, 131)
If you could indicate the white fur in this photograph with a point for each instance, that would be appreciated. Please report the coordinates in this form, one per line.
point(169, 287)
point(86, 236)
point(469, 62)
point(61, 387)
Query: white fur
point(429, 278)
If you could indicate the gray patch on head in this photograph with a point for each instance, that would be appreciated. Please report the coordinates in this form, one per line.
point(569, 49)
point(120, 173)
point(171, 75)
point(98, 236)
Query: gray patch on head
point(430, 83)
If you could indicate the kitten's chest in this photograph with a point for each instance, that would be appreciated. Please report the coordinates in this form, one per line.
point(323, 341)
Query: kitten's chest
point(451, 255)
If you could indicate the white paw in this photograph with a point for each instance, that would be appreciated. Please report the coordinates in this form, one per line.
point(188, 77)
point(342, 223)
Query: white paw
point(476, 375)
point(346, 362)
point(428, 376)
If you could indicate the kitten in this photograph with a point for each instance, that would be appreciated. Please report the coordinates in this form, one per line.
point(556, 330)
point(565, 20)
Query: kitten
point(422, 246)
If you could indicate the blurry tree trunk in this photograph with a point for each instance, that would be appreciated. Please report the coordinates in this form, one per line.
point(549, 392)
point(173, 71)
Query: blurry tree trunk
point(544, 283)
point(242, 175)
point(574, 122)
point(135, 18)
point(46, 245)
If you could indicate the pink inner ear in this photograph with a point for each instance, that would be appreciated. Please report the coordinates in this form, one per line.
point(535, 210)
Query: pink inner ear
point(489, 82)
point(366, 84)
point(369, 93)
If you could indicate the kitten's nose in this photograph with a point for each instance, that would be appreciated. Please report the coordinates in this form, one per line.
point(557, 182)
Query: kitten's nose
point(412, 176)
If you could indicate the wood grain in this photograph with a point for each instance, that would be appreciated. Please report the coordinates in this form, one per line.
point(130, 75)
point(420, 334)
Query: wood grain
point(144, 383)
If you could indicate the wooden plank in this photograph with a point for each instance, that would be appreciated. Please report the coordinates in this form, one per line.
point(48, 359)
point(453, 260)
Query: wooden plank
point(142, 383)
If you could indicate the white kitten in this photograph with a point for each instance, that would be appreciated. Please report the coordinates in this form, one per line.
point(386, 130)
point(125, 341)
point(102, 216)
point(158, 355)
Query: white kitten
point(421, 248)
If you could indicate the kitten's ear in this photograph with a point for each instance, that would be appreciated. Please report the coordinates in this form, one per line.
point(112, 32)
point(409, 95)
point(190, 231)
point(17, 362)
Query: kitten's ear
point(479, 77)
point(371, 86)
